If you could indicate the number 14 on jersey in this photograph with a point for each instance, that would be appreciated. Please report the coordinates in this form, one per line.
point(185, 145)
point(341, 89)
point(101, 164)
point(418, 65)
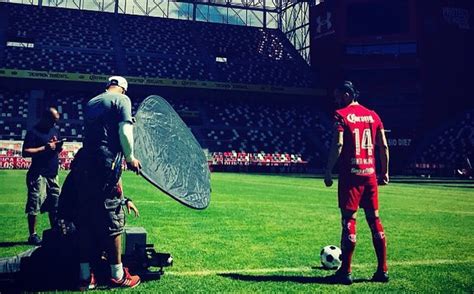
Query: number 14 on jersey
point(365, 142)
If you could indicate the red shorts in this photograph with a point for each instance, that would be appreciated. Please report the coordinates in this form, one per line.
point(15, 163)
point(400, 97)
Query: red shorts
point(355, 192)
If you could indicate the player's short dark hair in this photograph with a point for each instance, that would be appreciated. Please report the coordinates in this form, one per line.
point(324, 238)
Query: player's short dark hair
point(348, 87)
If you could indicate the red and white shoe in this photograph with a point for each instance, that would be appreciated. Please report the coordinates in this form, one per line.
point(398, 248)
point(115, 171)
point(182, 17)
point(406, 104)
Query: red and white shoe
point(85, 285)
point(128, 281)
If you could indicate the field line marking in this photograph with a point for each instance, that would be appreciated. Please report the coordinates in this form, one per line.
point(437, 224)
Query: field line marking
point(307, 204)
point(310, 269)
point(274, 204)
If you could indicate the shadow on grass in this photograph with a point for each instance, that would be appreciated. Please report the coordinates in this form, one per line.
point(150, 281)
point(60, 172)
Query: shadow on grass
point(11, 244)
point(23, 283)
point(281, 278)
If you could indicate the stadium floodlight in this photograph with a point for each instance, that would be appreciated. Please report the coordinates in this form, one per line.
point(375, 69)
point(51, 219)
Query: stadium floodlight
point(171, 157)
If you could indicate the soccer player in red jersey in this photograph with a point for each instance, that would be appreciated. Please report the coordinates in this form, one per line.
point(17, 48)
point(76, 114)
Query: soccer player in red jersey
point(357, 130)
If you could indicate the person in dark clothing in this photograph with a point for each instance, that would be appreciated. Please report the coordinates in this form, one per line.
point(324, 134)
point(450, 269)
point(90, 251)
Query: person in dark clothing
point(43, 145)
point(108, 138)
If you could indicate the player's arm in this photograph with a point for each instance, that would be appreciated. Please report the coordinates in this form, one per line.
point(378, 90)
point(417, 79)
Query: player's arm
point(32, 151)
point(127, 202)
point(126, 141)
point(131, 207)
point(335, 151)
point(384, 155)
point(28, 150)
point(126, 134)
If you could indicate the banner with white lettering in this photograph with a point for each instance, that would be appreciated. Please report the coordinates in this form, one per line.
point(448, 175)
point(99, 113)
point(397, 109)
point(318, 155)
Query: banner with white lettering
point(10, 155)
point(79, 77)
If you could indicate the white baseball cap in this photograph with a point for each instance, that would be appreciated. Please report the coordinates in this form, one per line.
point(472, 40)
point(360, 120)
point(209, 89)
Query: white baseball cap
point(118, 81)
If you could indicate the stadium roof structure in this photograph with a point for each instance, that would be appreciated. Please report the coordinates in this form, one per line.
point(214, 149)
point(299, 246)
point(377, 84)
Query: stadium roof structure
point(289, 16)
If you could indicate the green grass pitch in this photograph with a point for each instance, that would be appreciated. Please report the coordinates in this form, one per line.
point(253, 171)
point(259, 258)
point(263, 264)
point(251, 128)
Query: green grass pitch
point(263, 234)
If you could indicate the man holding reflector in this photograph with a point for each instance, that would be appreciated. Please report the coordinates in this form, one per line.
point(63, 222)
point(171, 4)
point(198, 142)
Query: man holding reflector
point(173, 161)
point(108, 137)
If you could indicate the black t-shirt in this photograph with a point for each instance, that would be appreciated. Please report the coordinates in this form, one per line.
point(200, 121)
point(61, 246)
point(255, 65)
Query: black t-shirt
point(45, 163)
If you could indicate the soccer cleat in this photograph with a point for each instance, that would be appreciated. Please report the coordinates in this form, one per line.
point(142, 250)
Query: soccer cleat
point(89, 284)
point(381, 277)
point(34, 240)
point(128, 281)
point(341, 278)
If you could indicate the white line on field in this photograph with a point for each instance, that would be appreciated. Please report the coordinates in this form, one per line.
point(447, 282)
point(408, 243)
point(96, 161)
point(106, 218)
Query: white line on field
point(310, 269)
point(274, 203)
point(305, 205)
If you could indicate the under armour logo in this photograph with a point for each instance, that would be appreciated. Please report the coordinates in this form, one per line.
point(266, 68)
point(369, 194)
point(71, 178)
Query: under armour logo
point(324, 22)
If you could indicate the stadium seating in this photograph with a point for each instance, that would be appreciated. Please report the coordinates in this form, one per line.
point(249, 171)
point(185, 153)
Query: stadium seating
point(13, 114)
point(271, 127)
point(12, 130)
point(256, 159)
point(14, 104)
point(59, 60)
point(450, 145)
point(56, 27)
point(270, 115)
point(79, 41)
point(220, 124)
point(255, 140)
point(73, 41)
point(184, 68)
point(157, 36)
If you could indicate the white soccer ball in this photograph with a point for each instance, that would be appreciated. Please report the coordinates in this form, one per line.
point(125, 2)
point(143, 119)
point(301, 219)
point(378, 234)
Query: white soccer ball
point(331, 257)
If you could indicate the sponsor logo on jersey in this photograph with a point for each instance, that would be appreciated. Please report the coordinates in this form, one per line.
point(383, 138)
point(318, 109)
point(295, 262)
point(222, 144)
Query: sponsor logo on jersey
point(365, 171)
point(352, 118)
point(369, 160)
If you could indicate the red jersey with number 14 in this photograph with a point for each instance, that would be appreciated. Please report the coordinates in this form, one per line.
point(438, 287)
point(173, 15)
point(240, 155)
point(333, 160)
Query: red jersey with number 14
point(360, 126)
